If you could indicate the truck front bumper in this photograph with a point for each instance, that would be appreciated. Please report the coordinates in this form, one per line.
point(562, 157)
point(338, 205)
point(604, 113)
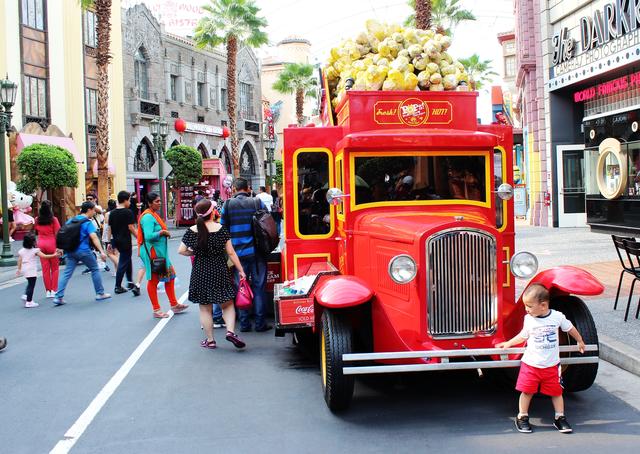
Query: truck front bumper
point(446, 364)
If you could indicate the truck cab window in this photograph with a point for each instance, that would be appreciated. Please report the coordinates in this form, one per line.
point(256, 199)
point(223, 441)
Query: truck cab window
point(497, 181)
point(312, 177)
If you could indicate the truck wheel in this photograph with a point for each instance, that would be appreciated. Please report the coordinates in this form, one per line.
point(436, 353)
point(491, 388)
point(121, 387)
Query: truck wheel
point(335, 340)
point(577, 377)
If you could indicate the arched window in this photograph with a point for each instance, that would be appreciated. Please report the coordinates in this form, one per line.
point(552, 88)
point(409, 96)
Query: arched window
point(141, 74)
point(203, 151)
point(145, 157)
point(247, 164)
point(226, 160)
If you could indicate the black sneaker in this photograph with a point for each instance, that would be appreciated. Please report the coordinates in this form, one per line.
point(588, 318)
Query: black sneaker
point(86, 271)
point(218, 323)
point(135, 290)
point(562, 425)
point(522, 424)
point(264, 328)
point(107, 269)
point(119, 290)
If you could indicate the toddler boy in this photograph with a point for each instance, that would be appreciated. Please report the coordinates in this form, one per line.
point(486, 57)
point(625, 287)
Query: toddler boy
point(540, 368)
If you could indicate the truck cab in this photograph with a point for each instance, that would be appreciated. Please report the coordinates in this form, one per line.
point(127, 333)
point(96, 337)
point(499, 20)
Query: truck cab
point(399, 219)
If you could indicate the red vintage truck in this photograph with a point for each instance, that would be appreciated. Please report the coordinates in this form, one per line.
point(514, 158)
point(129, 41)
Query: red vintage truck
point(398, 217)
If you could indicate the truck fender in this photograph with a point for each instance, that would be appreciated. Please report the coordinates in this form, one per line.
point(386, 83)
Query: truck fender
point(341, 291)
point(568, 280)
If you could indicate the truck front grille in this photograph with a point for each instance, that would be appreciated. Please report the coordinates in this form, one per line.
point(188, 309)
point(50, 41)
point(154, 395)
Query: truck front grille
point(461, 283)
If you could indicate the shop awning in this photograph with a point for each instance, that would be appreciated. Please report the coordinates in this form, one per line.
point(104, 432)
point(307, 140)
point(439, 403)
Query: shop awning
point(67, 143)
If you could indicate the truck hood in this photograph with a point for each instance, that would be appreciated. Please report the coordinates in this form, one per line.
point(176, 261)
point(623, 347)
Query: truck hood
point(409, 226)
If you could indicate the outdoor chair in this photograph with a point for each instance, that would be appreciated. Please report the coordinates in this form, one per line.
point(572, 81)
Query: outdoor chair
point(618, 242)
point(633, 253)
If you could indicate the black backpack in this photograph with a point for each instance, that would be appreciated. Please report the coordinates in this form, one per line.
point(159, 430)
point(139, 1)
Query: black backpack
point(68, 237)
point(265, 232)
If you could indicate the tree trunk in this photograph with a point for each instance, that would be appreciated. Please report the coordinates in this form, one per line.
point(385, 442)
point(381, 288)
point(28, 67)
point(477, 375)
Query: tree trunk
point(232, 53)
point(103, 58)
point(423, 14)
point(300, 106)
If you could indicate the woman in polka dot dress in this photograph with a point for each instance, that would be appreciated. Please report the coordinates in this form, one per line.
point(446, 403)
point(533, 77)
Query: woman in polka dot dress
point(211, 281)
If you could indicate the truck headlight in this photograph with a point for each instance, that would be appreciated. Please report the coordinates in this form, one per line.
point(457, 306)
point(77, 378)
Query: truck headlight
point(524, 265)
point(402, 269)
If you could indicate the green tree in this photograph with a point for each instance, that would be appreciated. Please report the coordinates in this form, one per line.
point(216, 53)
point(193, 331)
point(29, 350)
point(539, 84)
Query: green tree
point(232, 23)
point(298, 79)
point(186, 163)
point(480, 71)
point(102, 10)
point(46, 167)
point(444, 14)
point(277, 179)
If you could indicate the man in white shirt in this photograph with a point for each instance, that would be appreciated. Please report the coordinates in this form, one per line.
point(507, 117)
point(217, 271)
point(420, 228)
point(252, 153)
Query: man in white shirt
point(265, 197)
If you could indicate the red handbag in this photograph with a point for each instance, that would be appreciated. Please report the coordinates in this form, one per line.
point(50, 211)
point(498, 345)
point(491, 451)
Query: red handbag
point(244, 298)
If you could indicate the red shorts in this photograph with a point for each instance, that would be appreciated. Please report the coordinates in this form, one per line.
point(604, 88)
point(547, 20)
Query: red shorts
point(532, 379)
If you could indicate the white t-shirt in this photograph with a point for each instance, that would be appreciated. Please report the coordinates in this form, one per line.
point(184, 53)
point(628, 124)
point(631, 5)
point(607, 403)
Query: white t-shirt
point(29, 261)
point(267, 199)
point(543, 349)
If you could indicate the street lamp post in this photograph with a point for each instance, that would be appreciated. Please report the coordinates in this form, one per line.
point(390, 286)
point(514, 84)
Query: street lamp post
point(159, 132)
point(8, 92)
point(269, 146)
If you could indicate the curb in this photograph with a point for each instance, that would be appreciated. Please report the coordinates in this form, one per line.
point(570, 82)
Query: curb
point(619, 354)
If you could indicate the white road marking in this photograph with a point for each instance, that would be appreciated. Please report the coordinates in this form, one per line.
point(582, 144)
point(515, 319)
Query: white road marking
point(77, 429)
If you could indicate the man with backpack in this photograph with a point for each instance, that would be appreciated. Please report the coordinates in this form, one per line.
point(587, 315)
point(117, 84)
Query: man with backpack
point(239, 215)
point(74, 238)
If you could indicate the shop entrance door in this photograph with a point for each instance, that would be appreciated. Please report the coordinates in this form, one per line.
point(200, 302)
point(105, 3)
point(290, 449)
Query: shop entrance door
point(571, 191)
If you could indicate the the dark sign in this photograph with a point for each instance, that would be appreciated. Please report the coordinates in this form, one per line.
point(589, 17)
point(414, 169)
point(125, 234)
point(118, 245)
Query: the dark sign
point(614, 20)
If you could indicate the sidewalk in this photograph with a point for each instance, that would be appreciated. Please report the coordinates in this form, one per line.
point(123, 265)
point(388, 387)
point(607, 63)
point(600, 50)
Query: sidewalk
point(8, 274)
point(593, 252)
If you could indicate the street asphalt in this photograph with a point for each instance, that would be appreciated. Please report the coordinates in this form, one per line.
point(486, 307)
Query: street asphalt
point(180, 398)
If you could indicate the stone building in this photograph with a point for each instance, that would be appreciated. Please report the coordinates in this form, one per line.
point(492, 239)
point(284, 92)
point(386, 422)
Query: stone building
point(166, 76)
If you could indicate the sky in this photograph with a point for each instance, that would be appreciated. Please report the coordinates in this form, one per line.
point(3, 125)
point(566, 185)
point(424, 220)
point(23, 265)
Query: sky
point(325, 23)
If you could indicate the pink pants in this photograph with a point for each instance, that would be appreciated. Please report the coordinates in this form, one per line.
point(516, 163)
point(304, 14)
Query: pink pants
point(50, 272)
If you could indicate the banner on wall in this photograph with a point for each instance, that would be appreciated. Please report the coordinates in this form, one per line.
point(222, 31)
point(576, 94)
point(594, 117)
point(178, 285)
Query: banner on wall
point(179, 17)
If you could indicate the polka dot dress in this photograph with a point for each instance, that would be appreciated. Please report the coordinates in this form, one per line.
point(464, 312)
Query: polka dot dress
point(211, 281)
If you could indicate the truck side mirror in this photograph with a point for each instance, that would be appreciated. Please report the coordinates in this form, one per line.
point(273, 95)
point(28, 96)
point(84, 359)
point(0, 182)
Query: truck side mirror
point(335, 196)
point(505, 191)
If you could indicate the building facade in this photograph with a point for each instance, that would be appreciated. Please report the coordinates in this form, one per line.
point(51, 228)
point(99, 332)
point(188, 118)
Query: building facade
point(48, 48)
point(290, 50)
point(592, 92)
point(166, 76)
point(529, 102)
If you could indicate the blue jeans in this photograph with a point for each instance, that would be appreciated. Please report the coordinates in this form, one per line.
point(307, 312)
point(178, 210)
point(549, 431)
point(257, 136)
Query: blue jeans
point(89, 260)
point(256, 270)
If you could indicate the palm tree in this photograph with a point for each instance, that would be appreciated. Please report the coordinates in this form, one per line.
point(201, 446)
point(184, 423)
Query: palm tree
point(422, 18)
point(298, 79)
point(444, 14)
point(233, 23)
point(479, 70)
point(102, 9)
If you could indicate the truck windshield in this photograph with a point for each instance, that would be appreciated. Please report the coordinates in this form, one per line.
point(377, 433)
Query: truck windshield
point(430, 177)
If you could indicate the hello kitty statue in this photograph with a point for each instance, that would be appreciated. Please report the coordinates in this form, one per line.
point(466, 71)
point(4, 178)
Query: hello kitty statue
point(21, 205)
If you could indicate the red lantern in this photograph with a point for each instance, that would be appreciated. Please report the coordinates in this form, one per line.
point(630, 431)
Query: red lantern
point(180, 125)
point(225, 132)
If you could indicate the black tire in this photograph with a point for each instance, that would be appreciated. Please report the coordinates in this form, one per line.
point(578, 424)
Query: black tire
point(577, 377)
point(336, 339)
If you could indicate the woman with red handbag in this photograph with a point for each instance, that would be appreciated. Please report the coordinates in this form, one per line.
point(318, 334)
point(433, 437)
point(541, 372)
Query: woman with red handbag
point(211, 281)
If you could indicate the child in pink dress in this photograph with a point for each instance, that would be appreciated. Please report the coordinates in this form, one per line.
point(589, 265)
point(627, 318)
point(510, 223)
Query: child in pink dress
point(28, 265)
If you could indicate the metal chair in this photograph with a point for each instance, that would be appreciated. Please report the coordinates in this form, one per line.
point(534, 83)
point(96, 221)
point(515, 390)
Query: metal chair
point(633, 250)
point(618, 242)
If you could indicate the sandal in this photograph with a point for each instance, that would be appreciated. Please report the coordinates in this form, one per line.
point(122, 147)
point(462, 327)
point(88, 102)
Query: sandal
point(179, 308)
point(160, 314)
point(210, 344)
point(235, 340)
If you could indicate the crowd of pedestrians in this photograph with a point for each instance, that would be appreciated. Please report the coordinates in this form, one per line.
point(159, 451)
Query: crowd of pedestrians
point(220, 244)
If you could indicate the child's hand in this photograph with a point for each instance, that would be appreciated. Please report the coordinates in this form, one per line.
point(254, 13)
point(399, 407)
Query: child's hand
point(18, 272)
point(581, 346)
point(501, 345)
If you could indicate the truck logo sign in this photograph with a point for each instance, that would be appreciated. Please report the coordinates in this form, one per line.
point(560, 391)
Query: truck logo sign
point(412, 112)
